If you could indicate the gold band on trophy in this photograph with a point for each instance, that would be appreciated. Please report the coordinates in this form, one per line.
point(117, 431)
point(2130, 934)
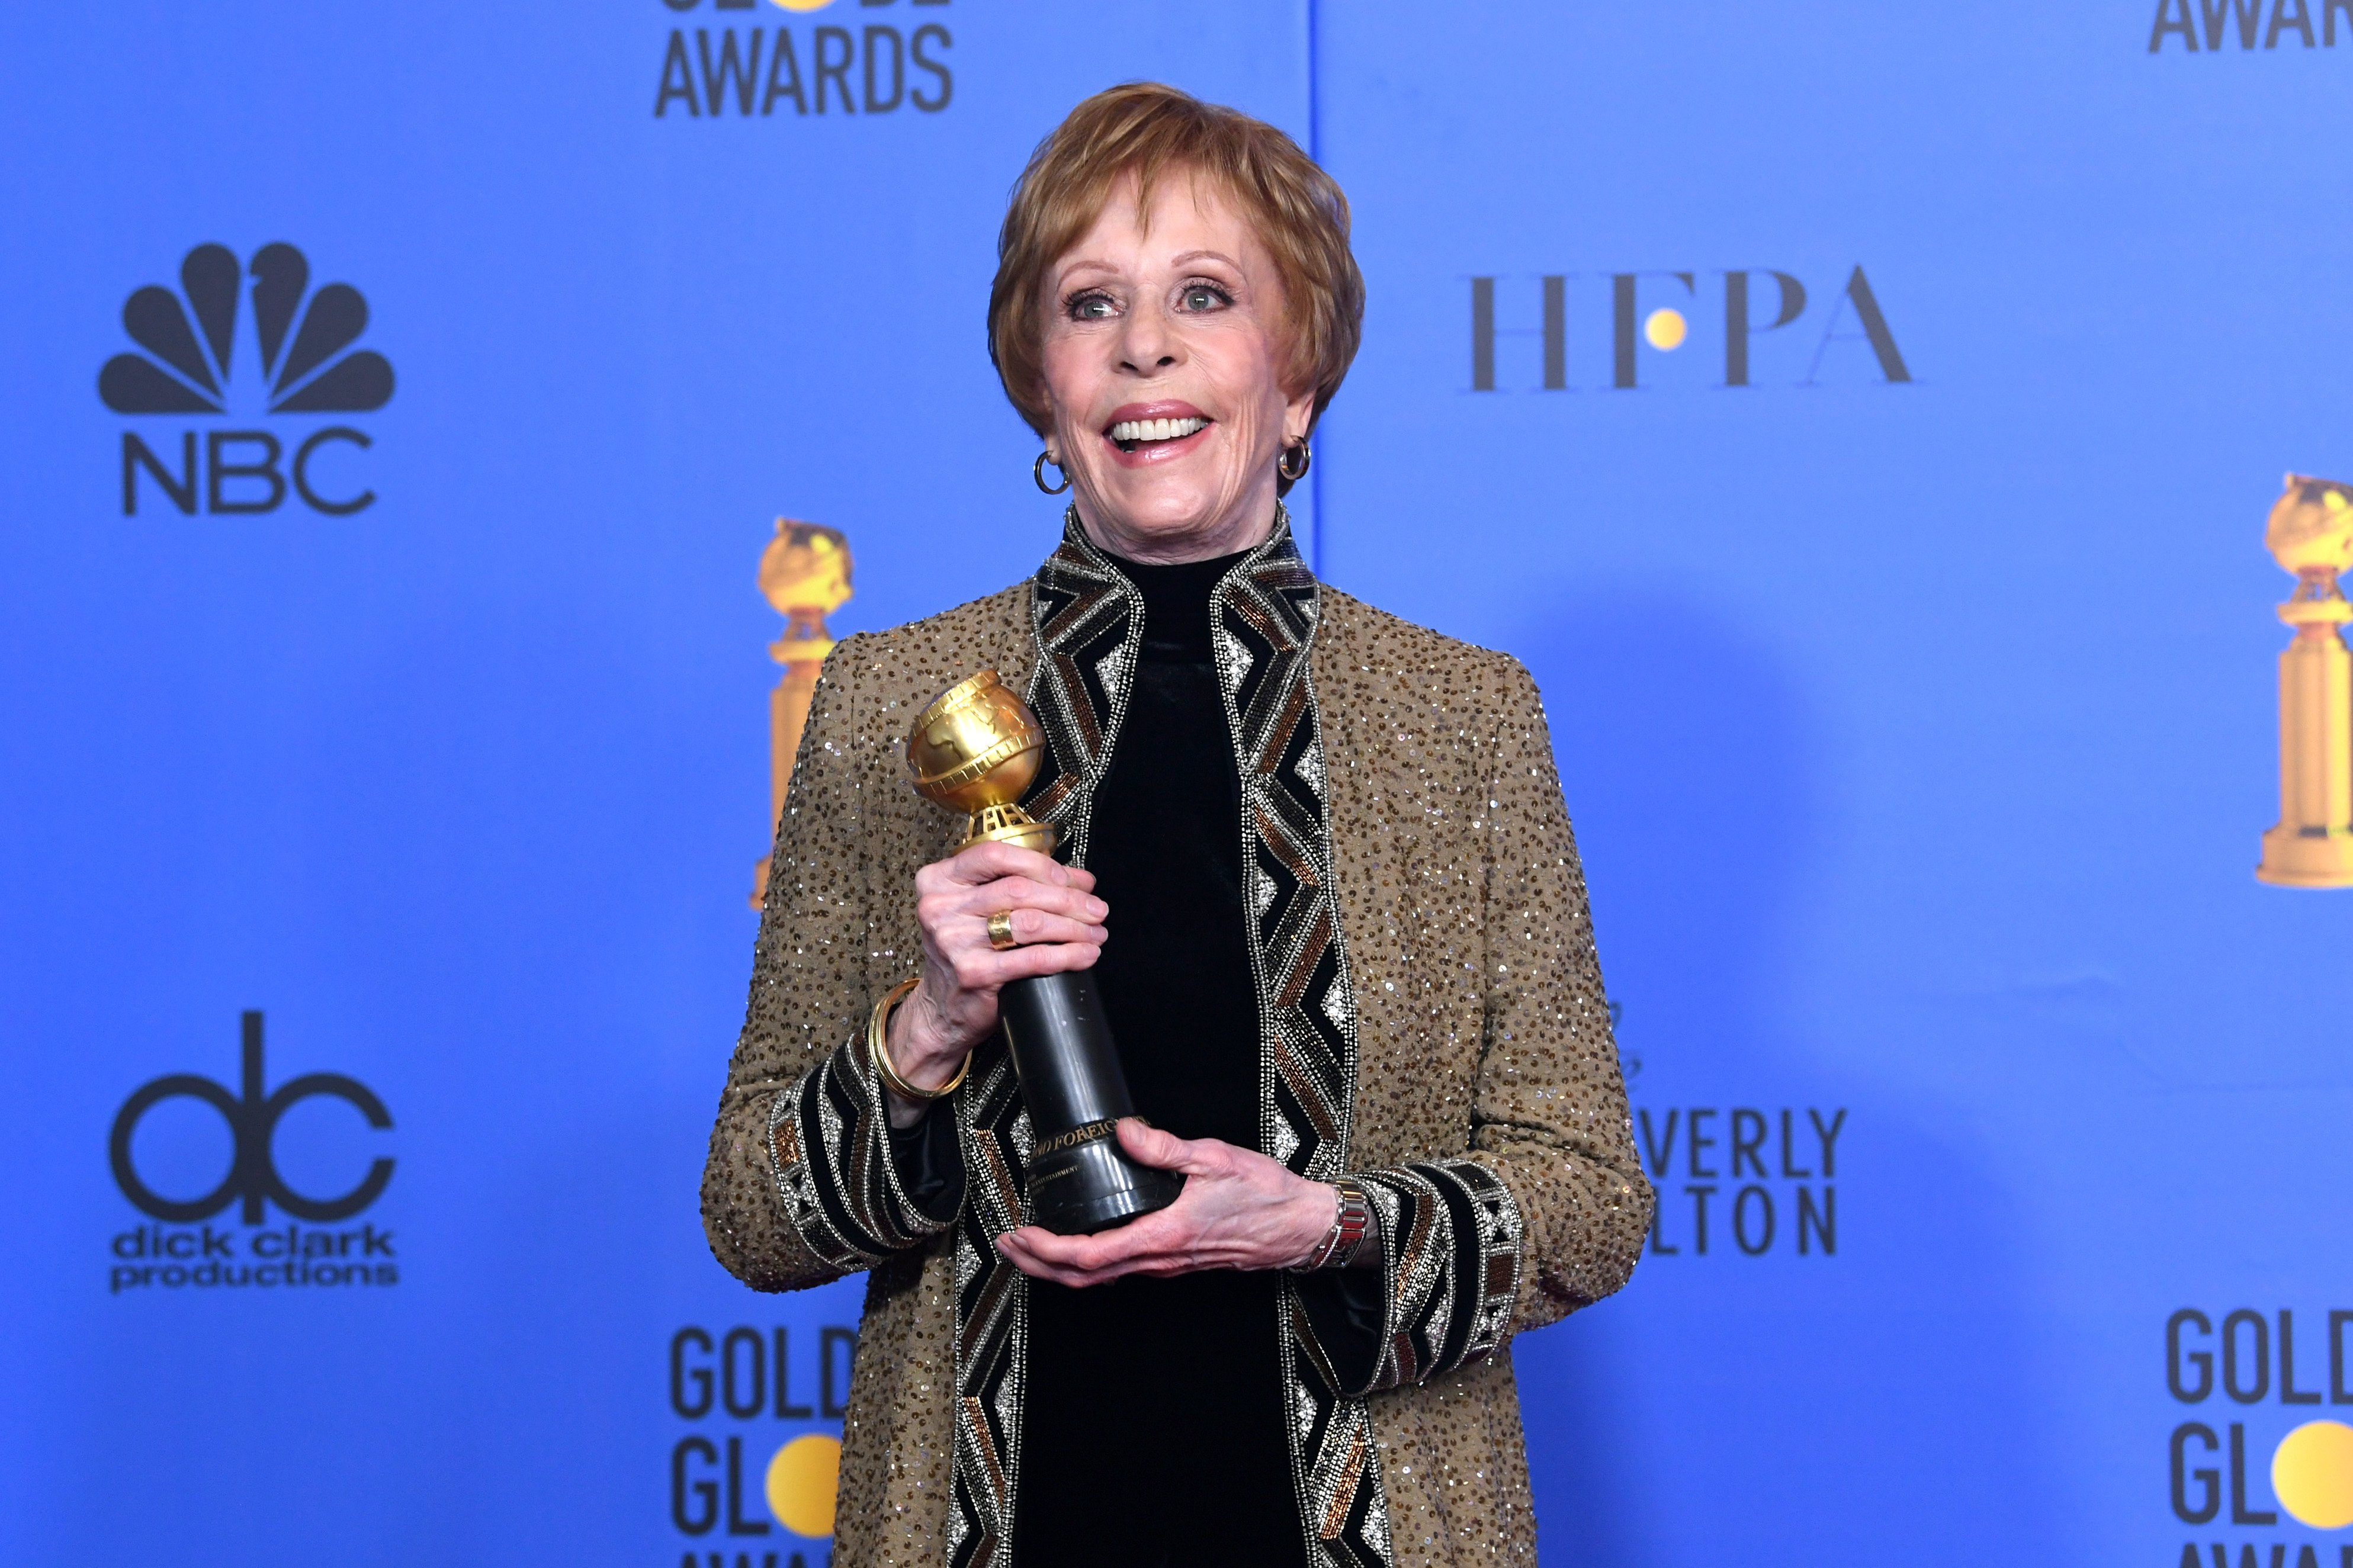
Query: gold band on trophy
point(1086, 1133)
point(2310, 533)
point(804, 573)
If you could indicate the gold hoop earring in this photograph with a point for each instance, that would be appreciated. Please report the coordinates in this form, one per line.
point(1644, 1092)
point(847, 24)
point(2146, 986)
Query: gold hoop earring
point(1289, 475)
point(1038, 473)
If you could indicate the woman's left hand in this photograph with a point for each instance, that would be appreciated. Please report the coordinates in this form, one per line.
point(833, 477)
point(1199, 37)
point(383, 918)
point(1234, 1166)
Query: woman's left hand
point(1238, 1210)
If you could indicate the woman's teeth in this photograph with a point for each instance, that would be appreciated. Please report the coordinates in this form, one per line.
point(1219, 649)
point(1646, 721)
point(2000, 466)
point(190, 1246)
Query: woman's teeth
point(1155, 429)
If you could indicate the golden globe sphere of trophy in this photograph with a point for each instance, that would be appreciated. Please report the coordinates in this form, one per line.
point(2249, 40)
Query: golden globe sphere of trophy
point(975, 749)
point(2310, 533)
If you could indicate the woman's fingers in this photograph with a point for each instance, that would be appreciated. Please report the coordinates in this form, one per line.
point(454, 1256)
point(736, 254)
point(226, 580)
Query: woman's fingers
point(1035, 925)
point(1167, 1241)
point(1155, 1234)
point(1238, 1210)
point(976, 967)
point(939, 887)
point(964, 939)
point(1040, 911)
point(1081, 1260)
point(1163, 1151)
point(1037, 1268)
point(1019, 893)
point(958, 912)
point(977, 864)
point(1058, 926)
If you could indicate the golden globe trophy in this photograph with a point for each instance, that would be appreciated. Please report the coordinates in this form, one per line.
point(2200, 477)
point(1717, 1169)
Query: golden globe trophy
point(975, 749)
point(804, 573)
point(2311, 534)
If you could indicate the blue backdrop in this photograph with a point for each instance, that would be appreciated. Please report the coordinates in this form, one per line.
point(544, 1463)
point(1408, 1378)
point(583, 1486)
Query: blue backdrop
point(1860, 419)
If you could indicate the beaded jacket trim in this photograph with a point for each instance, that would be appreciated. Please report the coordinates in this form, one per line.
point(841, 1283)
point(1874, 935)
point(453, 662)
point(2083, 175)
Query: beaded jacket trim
point(830, 1145)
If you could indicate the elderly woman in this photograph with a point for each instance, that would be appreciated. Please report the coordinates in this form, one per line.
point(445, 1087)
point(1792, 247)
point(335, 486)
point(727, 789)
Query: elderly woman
point(1318, 862)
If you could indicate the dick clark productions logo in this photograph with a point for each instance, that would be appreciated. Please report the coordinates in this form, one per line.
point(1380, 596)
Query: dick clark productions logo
point(172, 1254)
point(189, 345)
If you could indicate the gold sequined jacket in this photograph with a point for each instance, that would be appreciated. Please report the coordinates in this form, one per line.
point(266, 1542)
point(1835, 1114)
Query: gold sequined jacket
point(1433, 1025)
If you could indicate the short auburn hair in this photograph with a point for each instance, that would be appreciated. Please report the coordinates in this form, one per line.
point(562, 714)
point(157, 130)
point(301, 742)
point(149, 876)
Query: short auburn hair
point(1145, 129)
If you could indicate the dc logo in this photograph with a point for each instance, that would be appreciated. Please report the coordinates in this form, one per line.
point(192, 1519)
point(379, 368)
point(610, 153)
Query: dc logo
point(252, 1120)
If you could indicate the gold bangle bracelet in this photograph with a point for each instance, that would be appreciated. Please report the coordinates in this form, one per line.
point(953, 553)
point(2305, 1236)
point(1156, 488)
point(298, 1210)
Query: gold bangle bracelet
point(878, 1050)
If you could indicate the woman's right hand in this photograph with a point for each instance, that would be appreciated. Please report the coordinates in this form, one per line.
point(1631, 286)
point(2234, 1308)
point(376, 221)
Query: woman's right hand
point(1056, 916)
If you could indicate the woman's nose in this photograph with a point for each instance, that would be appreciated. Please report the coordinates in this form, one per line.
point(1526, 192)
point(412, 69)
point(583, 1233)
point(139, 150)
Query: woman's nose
point(1149, 346)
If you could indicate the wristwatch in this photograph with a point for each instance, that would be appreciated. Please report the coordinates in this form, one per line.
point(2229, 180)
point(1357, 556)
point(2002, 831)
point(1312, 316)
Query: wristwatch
point(1352, 1221)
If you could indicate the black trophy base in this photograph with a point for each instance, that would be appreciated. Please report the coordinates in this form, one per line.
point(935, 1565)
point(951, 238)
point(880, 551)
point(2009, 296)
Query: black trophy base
point(1095, 1186)
point(1080, 1180)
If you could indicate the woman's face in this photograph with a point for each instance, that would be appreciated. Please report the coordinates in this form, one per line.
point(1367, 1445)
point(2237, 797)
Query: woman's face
point(1163, 360)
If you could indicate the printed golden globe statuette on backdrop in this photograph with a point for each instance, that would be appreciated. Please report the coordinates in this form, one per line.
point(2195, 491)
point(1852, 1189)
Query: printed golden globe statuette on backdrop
point(804, 573)
point(974, 748)
point(2311, 534)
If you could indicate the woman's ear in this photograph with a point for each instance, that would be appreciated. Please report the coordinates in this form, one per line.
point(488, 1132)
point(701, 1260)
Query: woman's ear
point(1051, 434)
point(1298, 417)
point(1045, 423)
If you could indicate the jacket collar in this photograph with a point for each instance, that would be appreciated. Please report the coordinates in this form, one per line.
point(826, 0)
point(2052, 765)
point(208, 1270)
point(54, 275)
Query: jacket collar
point(1088, 616)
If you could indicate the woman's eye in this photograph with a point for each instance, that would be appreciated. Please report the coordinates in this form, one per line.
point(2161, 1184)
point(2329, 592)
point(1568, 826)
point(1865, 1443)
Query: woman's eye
point(1092, 307)
point(1202, 297)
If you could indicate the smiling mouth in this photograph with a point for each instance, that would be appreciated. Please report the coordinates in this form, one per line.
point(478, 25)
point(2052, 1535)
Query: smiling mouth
point(1134, 435)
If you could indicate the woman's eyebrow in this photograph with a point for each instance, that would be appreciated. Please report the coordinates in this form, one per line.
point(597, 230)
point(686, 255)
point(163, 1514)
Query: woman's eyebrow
point(1187, 258)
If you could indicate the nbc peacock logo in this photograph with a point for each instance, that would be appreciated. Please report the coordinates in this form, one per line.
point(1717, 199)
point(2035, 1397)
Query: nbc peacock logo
point(302, 362)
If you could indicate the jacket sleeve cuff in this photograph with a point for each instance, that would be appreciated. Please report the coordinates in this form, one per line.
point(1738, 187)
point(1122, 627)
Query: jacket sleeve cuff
point(928, 1159)
point(829, 1147)
point(1452, 1240)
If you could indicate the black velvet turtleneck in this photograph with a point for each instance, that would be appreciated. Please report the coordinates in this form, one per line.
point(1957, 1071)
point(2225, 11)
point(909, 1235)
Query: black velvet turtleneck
point(1153, 1424)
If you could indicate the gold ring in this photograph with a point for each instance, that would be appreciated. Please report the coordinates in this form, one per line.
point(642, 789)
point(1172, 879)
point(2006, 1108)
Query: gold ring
point(1000, 931)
